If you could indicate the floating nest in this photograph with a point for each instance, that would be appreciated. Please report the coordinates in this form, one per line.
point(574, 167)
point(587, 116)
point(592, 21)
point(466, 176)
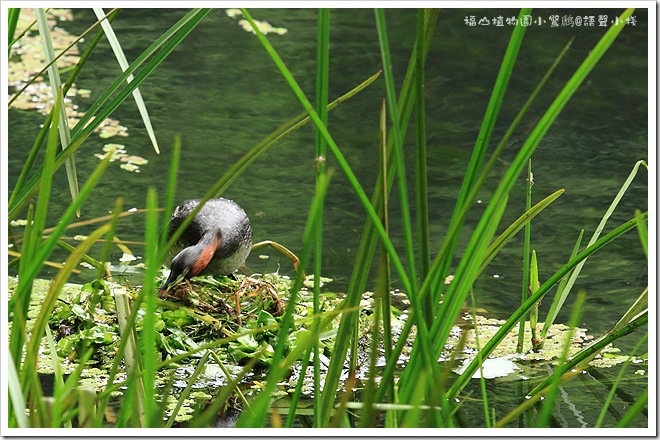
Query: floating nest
point(227, 297)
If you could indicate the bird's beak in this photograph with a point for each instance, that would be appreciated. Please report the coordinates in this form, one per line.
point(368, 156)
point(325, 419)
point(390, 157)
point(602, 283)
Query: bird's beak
point(170, 280)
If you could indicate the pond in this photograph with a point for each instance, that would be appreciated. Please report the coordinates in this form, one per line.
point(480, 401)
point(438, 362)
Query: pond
point(223, 95)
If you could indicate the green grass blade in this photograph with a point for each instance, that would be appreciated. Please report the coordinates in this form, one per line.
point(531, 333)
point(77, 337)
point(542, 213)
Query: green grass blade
point(533, 287)
point(579, 360)
point(557, 298)
point(516, 121)
point(170, 194)
point(243, 163)
point(297, 393)
point(148, 333)
point(123, 63)
point(367, 415)
point(286, 129)
point(341, 160)
point(322, 84)
point(18, 303)
point(444, 256)
point(12, 21)
point(480, 360)
point(643, 233)
point(51, 242)
point(27, 167)
point(29, 162)
point(210, 414)
point(421, 180)
point(55, 85)
point(87, 413)
point(382, 298)
point(386, 276)
point(526, 256)
point(639, 306)
point(186, 391)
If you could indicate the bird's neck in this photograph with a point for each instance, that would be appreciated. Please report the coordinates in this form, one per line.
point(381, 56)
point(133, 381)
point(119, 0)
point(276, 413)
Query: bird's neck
point(207, 246)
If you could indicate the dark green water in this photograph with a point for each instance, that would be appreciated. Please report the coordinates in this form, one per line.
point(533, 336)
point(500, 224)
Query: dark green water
point(222, 94)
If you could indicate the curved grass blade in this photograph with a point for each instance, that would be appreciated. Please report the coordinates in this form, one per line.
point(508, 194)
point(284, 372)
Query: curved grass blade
point(242, 164)
point(148, 333)
point(121, 58)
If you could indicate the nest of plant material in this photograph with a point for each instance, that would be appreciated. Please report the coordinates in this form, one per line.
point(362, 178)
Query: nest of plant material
point(227, 297)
